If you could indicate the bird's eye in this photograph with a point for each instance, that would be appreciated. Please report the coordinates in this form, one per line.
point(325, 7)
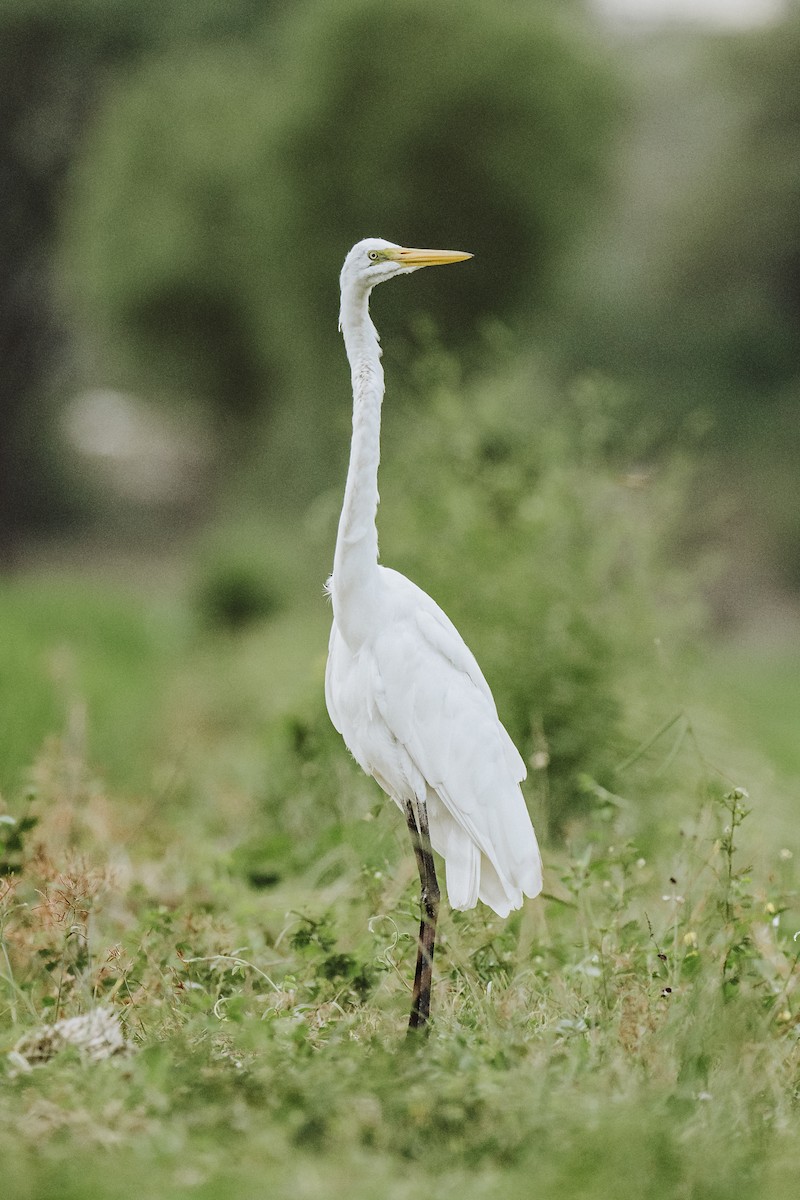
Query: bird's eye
point(373, 255)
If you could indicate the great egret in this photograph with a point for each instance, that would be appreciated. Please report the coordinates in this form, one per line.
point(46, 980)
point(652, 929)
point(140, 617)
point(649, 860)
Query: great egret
point(401, 686)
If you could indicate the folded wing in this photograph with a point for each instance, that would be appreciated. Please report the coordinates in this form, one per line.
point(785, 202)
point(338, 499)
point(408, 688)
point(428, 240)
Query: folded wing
point(437, 705)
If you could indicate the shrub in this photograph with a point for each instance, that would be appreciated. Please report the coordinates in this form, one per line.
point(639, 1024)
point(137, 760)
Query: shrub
point(528, 514)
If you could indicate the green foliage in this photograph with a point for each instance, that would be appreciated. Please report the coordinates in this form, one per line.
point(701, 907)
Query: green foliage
point(127, 26)
point(221, 185)
point(692, 282)
point(638, 1023)
point(537, 515)
point(55, 61)
point(159, 218)
point(766, 704)
point(689, 285)
point(13, 836)
point(529, 513)
point(234, 593)
point(244, 901)
point(736, 270)
point(83, 667)
point(524, 128)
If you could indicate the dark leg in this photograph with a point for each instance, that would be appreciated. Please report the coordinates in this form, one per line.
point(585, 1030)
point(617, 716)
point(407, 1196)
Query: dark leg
point(417, 818)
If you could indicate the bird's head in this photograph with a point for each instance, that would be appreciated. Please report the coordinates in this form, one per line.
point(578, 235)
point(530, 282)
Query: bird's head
point(373, 260)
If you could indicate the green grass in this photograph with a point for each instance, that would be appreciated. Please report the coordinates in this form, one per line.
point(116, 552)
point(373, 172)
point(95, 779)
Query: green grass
point(85, 664)
point(246, 903)
point(760, 686)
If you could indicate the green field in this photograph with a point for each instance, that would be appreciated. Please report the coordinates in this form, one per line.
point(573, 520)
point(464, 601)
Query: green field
point(589, 458)
point(186, 843)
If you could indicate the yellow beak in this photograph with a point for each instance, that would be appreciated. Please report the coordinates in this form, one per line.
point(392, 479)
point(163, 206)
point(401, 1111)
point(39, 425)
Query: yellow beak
point(426, 258)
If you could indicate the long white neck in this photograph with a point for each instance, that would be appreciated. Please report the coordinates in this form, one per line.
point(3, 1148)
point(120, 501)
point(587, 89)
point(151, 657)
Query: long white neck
point(355, 562)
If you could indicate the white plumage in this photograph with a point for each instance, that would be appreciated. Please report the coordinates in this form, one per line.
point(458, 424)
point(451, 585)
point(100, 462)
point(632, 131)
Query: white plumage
point(417, 714)
point(401, 686)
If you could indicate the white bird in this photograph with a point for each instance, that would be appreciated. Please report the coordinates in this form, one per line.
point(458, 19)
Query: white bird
point(401, 686)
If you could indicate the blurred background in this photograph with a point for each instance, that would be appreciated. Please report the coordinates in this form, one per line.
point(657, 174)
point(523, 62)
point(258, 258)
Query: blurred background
point(591, 432)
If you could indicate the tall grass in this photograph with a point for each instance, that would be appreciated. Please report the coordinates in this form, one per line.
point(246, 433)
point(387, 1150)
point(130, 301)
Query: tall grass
point(637, 1026)
point(191, 848)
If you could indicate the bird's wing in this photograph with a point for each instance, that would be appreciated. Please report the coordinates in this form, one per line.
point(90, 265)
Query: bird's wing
point(441, 635)
point(352, 689)
point(330, 690)
point(437, 705)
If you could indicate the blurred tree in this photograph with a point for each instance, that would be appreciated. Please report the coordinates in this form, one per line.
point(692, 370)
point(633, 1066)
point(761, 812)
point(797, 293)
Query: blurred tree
point(55, 60)
point(690, 285)
point(220, 189)
point(159, 247)
point(41, 101)
point(708, 298)
point(736, 270)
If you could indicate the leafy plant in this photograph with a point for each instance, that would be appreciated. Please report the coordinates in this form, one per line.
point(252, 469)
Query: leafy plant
point(530, 514)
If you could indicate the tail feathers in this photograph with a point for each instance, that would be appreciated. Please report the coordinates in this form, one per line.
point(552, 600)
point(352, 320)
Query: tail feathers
point(463, 872)
point(502, 896)
point(495, 893)
point(471, 875)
